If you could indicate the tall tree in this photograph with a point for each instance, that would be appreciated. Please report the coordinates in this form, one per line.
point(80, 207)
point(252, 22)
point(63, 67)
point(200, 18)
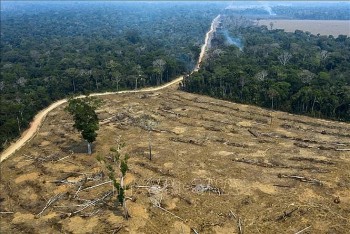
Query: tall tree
point(83, 111)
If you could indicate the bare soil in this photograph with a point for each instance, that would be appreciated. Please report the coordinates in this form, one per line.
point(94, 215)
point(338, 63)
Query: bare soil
point(217, 166)
point(322, 27)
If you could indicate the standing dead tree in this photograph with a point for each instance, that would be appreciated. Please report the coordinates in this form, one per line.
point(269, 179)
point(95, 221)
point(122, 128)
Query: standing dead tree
point(148, 123)
point(284, 58)
point(261, 75)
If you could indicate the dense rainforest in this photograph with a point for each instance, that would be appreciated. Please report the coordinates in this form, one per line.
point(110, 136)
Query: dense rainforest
point(53, 49)
point(294, 72)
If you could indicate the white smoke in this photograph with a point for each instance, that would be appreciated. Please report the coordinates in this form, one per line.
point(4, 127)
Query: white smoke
point(267, 8)
point(259, 4)
point(233, 40)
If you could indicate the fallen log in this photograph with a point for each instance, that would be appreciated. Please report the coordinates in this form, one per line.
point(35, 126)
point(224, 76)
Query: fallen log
point(313, 160)
point(93, 202)
point(188, 141)
point(50, 202)
point(302, 179)
point(282, 186)
point(342, 149)
point(259, 163)
point(97, 185)
point(6, 212)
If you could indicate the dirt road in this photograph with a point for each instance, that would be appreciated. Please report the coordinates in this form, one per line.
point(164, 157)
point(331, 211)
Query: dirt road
point(208, 37)
point(40, 117)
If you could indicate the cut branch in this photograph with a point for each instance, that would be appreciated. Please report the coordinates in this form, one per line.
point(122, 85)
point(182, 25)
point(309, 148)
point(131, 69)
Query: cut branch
point(254, 133)
point(97, 185)
point(158, 206)
point(303, 230)
point(50, 202)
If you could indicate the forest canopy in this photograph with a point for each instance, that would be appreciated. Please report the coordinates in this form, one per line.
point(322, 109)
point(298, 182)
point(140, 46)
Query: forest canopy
point(53, 49)
point(294, 72)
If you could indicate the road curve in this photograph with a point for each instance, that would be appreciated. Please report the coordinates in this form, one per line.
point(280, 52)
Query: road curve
point(40, 117)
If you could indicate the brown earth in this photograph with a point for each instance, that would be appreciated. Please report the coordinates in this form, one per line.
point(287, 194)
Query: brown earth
point(272, 172)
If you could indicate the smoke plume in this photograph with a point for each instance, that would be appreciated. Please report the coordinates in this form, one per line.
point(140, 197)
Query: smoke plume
point(233, 40)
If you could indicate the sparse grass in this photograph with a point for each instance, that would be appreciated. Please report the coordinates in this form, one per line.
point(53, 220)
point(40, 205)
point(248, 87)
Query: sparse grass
point(205, 144)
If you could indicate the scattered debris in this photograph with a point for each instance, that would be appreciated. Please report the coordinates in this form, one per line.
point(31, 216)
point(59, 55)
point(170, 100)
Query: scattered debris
point(302, 145)
point(117, 229)
point(240, 226)
point(286, 214)
point(156, 194)
point(232, 215)
point(234, 144)
point(342, 149)
point(89, 203)
point(301, 231)
point(259, 163)
point(201, 188)
point(50, 202)
point(282, 186)
point(302, 179)
point(313, 160)
point(97, 185)
point(194, 230)
point(188, 141)
point(254, 133)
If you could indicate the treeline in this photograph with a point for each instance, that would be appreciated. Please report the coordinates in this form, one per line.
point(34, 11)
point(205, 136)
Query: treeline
point(49, 51)
point(294, 72)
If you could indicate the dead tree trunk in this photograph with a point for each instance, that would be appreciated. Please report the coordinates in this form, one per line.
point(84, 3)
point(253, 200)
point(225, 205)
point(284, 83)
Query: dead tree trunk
point(149, 145)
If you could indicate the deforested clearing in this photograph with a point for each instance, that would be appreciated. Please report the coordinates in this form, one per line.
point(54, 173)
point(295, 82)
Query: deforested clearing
point(217, 167)
point(322, 27)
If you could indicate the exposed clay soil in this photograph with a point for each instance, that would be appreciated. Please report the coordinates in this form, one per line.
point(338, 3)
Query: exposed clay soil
point(274, 172)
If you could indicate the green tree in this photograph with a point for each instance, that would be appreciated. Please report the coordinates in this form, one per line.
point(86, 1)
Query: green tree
point(122, 164)
point(85, 117)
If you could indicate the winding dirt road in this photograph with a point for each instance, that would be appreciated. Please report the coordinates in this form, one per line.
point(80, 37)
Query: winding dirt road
point(40, 117)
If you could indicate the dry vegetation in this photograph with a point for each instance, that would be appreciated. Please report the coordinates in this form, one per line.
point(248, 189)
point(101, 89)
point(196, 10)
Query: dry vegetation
point(323, 27)
point(218, 167)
